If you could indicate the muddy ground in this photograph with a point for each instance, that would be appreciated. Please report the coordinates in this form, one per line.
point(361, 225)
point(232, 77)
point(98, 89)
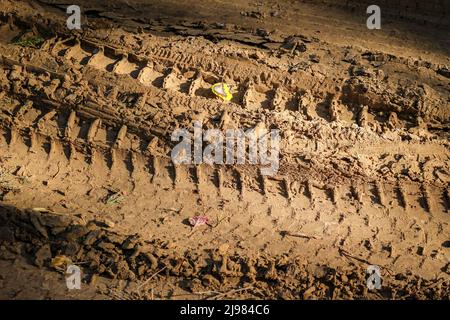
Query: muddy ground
point(86, 176)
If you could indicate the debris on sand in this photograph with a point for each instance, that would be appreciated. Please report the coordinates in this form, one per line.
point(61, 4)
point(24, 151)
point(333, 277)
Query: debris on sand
point(92, 120)
point(60, 261)
point(114, 199)
point(132, 258)
point(222, 90)
point(32, 42)
point(444, 72)
point(253, 14)
point(198, 221)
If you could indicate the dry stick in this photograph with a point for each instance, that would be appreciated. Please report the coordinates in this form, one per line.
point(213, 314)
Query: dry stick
point(119, 296)
point(348, 255)
point(201, 293)
point(231, 291)
point(219, 221)
point(195, 227)
point(299, 235)
point(151, 277)
point(192, 231)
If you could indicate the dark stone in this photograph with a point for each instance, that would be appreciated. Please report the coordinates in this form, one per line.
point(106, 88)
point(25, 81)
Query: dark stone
point(92, 237)
point(444, 72)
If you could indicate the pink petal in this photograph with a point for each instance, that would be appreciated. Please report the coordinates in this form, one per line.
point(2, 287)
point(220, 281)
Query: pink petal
point(198, 220)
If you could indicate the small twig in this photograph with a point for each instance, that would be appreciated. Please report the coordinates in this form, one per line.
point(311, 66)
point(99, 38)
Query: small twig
point(151, 277)
point(294, 47)
point(192, 231)
point(171, 210)
point(298, 235)
point(229, 292)
point(348, 255)
point(201, 293)
point(57, 172)
point(219, 221)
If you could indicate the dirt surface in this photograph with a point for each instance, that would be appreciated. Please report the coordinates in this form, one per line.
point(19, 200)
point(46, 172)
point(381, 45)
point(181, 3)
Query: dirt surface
point(86, 173)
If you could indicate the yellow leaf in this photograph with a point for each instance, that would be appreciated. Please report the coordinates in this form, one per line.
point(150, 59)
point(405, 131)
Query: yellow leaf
point(222, 91)
point(42, 210)
point(60, 261)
